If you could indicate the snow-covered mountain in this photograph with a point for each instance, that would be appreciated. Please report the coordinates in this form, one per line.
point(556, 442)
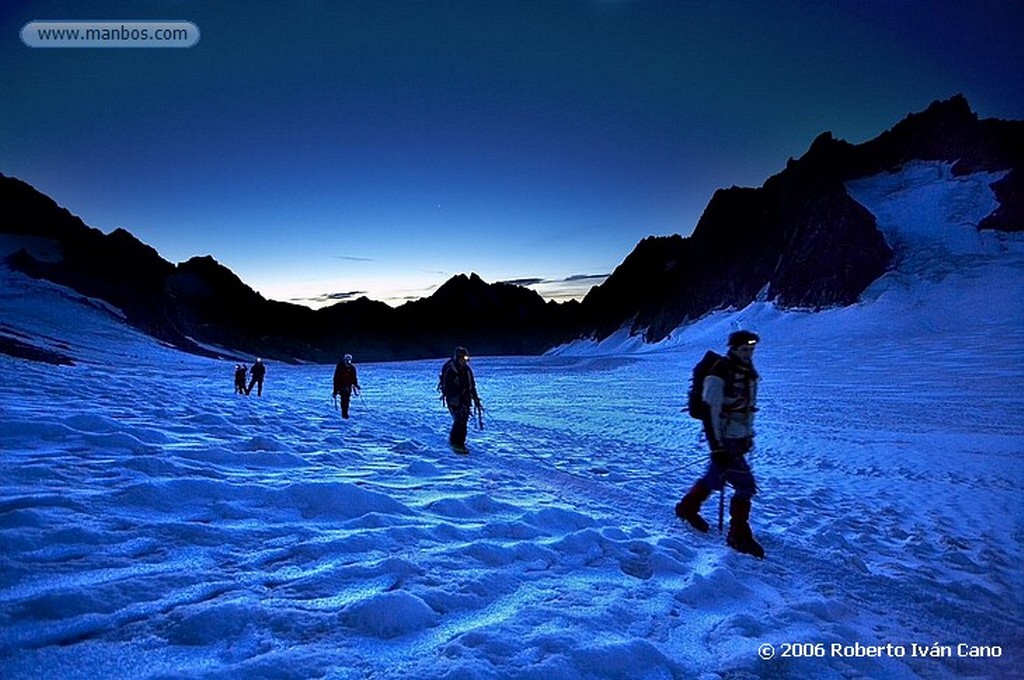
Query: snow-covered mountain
point(929, 218)
point(801, 240)
point(155, 525)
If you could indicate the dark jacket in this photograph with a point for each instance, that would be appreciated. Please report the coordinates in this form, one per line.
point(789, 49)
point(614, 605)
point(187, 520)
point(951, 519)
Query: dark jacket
point(458, 385)
point(345, 377)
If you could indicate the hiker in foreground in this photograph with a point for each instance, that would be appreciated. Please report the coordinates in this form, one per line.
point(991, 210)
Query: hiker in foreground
point(257, 372)
point(458, 392)
point(728, 401)
point(345, 381)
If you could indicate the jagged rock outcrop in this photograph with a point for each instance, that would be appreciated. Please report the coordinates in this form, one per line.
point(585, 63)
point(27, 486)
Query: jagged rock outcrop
point(498, 318)
point(115, 267)
point(800, 240)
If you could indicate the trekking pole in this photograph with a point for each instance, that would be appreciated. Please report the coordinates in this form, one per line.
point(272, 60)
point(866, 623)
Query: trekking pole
point(480, 416)
point(360, 395)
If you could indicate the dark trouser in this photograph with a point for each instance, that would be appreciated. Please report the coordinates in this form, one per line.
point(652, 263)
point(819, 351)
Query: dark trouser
point(346, 397)
point(460, 424)
point(728, 465)
point(259, 386)
point(240, 386)
point(733, 469)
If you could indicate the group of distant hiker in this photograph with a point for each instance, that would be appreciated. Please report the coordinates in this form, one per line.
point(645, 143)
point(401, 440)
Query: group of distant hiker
point(258, 371)
point(456, 383)
point(723, 397)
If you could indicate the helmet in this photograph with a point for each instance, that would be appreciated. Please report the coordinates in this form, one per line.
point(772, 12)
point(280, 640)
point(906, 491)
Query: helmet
point(348, 358)
point(740, 338)
point(461, 352)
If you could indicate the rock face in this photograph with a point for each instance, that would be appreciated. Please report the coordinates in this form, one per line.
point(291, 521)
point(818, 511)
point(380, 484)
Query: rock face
point(800, 240)
point(115, 267)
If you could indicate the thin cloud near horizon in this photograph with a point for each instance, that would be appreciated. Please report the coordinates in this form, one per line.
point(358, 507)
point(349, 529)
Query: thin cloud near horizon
point(332, 297)
point(560, 289)
point(565, 289)
point(535, 281)
point(523, 282)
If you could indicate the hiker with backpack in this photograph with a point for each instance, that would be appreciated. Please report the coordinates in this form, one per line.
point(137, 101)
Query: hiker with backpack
point(723, 396)
point(258, 371)
point(345, 381)
point(457, 386)
point(240, 372)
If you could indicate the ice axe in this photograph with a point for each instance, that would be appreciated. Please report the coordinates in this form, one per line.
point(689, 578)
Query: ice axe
point(721, 508)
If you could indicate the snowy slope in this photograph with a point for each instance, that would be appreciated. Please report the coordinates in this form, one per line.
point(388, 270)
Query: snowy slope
point(155, 525)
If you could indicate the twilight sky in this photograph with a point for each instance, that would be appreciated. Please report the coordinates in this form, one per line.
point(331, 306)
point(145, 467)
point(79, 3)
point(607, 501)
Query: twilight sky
point(327, 149)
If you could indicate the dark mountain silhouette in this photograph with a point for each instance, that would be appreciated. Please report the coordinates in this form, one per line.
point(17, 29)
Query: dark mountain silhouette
point(800, 240)
point(200, 305)
point(506, 318)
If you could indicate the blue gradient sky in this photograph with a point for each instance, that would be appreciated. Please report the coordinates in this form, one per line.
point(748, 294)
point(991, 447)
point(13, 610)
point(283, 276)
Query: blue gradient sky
point(342, 148)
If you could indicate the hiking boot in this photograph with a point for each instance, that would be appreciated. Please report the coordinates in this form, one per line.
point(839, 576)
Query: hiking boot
point(741, 538)
point(688, 509)
point(743, 541)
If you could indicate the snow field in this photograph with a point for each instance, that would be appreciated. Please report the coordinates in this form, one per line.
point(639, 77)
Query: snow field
point(218, 535)
point(153, 524)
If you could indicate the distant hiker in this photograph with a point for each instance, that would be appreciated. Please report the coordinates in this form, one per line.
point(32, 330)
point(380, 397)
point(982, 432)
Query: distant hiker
point(458, 392)
point(345, 381)
point(240, 371)
point(257, 371)
point(730, 394)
